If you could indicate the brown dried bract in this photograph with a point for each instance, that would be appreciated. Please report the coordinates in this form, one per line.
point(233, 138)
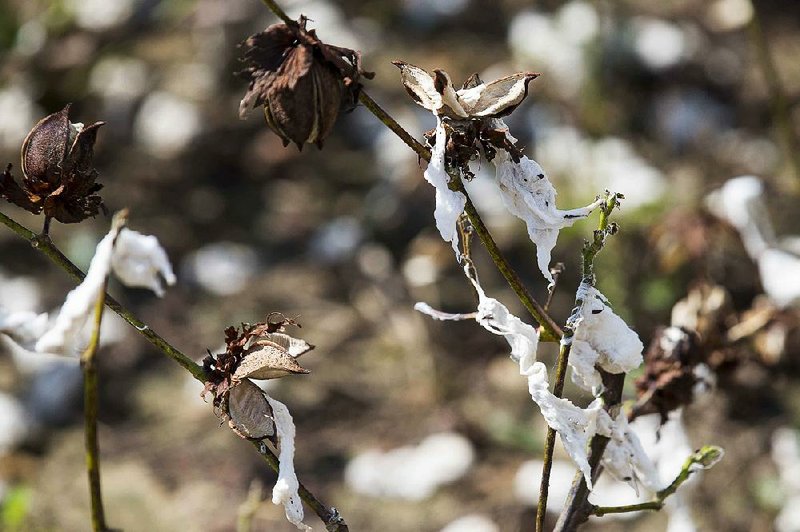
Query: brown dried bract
point(58, 176)
point(301, 82)
point(260, 351)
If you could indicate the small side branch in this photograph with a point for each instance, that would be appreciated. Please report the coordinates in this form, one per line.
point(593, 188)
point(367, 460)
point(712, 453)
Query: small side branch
point(706, 457)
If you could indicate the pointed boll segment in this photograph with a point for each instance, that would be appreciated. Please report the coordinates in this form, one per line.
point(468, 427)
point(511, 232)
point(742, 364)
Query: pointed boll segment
point(249, 412)
point(475, 99)
point(267, 360)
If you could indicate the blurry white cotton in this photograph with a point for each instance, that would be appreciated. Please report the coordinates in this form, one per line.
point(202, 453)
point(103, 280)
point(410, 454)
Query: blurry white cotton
point(139, 260)
point(528, 479)
point(119, 78)
point(557, 42)
point(166, 124)
point(337, 240)
point(15, 423)
point(19, 293)
point(740, 202)
point(472, 523)
point(19, 114)
point(100, 14)
point(23, 326)
point(411, 472)
point(607, 163)
point(222, 268)
point(728, 15)
point(659, 44)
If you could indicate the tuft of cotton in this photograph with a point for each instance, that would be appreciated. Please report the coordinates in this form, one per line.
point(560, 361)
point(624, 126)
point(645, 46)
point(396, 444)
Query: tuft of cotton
point(62, 338)
point(139, 260)
point(495, 318)
point(411, 472)
point(23, 327)
point(575, 425)
point(285, 490)
point(449, 203)
point(528, 194)
point(601, 339)
point(626, 460)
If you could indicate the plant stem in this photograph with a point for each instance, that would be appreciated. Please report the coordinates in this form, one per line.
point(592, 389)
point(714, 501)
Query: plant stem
point(45, 245)
point(706, 457)
point(330, 516)
point(589, 252)
point(550, 330)
point(89, 365)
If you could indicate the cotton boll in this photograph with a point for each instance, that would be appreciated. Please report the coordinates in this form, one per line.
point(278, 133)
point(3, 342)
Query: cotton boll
point(659, 44)
point(528, 479)
point(139, 260)
point(24, 328)
point(15, 423)
point(780, 276)
point(411, 472)
point(222, 268)
point(472, 523)
point(166, 124)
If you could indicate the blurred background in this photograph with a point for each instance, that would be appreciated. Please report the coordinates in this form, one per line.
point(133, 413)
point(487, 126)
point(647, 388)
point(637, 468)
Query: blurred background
point(663, 102)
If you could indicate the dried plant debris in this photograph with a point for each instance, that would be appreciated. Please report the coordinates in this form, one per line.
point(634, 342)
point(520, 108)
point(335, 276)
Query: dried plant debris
point(58, 176)
point(301, 82)
point(260, 351)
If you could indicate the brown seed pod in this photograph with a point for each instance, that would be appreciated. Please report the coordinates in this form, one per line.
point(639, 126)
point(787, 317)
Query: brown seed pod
point(249, 412)
point(267, 360)
point(58, 176)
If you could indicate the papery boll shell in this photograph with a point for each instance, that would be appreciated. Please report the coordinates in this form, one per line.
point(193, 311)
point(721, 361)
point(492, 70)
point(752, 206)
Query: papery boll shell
point(267, 361)
point(249, 411)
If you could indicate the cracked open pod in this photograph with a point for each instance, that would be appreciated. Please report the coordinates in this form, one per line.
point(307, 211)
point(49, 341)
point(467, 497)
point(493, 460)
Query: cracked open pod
point(265, 359)
point(249, 413)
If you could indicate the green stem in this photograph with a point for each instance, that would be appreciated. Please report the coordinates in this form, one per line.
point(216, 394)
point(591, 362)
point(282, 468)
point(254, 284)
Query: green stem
point(45, 245)
point(706, 457)
point(89, 364)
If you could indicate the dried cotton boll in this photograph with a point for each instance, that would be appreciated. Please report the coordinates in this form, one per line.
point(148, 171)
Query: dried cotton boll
point(265, 360)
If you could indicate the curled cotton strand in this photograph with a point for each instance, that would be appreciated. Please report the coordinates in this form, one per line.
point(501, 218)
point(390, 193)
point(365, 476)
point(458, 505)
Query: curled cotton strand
point(62, 338)
point(601, 339)
point(626, 459)
point(449, 203)
point(139, 260)
point(495, 318)
point(285, 490)
point(529, 195)
point(575, 425)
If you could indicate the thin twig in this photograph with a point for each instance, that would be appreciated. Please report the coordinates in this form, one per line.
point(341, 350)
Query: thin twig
point(44, 245)
point(89, 365)
point(706, 457)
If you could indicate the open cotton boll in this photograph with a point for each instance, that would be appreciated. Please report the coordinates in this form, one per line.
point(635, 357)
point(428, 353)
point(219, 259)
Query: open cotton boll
point(285, 490)
point(529, 195)
point(449, 203)
point(601, 338)
point(139, 260)
point(495, 318)
point(63, 337)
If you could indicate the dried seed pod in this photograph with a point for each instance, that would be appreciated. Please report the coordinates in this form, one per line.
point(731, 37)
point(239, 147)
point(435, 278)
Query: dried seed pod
point(295, 346)
point(58, 176)
point(249, 412)
point(267, 360)
point(301, 82)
